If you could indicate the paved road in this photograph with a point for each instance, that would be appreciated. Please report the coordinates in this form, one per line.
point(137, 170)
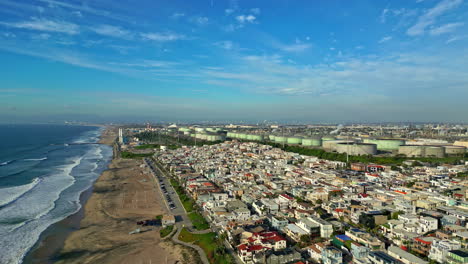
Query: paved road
point(202, 254)
point(178, 211)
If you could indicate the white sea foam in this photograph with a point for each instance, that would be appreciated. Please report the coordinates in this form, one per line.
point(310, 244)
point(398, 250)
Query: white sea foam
point(55, 198)
point(27, 218)
point(44, 158)
point(8, 195)
point(6, 163)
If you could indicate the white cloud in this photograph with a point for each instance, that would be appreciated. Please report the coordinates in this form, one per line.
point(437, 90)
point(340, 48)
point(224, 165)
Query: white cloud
point(162, 37)
point(430, 16)
point(456, 38)
point(255, 11)
point(111, 31)
point(447, 28)
point(297, 47)
point(385, 39)
point(177, 15)
point(246, 19)
point(229, 11)
point(87, 9)
point(200, 20)
point(227, 45)
point(40, 24)
point(42, 36)
point(77, 13)
point(383, 15)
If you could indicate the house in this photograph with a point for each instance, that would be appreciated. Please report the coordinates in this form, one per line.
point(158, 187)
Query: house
point(295, 232)
point(278, 223)
point(247, 252)
point(168, 220)
point(332, 255)
point(364, 238)
point(422, 245)
point(315, 251)
point(373, 218)
point(326, 228)
point(268, 239)
point(311, 227)
point(380, 257)
point(359, 251)
point(404, 256)
point(457, 256)
point(440, 248)
point(285, 256)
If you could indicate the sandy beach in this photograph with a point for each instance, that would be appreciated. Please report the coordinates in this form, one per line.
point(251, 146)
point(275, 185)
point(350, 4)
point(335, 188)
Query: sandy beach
point(123, 195)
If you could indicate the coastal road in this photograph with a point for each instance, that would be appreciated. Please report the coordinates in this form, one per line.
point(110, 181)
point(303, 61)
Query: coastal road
point(179, 211)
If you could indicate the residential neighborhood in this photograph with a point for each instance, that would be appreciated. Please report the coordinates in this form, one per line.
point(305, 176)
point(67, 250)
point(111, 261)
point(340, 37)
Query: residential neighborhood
point(274, 206)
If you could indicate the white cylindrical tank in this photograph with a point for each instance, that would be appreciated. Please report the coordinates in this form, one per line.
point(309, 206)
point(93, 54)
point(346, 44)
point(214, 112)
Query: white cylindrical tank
point(357, 148)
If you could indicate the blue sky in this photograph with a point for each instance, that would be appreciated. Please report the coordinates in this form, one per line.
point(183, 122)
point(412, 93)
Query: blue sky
point(315, 61)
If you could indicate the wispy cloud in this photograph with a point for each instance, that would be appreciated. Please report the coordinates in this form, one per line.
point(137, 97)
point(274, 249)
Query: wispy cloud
point(297, 47)
point(112, 31)
point(447, 28)
point(162, 37)
point(87, 9)
point(200, 20)
point(385, 39)
point(255, 11)
point(430, 16)
point(227, 44)
point(456, 38)
point(177, 15)
point(246, 19)
point(146, 64)
point(383, 16)
point(41, 24)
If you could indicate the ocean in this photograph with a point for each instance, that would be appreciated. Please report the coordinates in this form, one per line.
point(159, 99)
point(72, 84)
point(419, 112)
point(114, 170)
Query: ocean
point(43, 171)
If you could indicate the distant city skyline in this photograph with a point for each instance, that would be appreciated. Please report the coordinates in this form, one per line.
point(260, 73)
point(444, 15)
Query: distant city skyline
point(310, 61)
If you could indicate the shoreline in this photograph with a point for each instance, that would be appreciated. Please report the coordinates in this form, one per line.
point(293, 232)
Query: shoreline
point(52, 240)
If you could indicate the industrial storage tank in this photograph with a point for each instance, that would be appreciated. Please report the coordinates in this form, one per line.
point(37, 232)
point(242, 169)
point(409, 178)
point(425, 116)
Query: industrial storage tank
point(280, 139)
point(386, 143)
point(435, 151)
point(422, 151)
point(331, 144)
point(455, 150)
point(313, 142)
point(294, 140)
point(257, 137)
point(357, 148)
point(242, 136)
point(461, 143)
point(328, 138)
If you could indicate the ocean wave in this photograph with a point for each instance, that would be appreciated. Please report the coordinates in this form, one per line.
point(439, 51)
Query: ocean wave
point(44, 158)
point(6, 163)
point(11, 194)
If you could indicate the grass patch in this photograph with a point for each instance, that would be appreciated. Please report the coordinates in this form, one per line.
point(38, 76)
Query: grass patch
point(198, 221)
point(130, 155)
point(148, 146)
point(166, 231)
point(187, 202)
point(214, 248)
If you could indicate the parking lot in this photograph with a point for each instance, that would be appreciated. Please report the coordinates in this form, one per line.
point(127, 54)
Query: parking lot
point(169, 196)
